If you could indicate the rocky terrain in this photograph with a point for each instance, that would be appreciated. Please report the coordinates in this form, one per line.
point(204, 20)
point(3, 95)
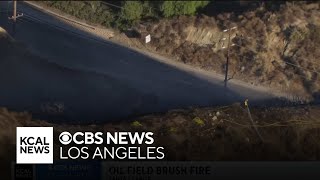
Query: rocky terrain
point(275, 47)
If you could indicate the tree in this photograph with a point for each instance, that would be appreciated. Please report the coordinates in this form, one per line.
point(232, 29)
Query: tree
point(168, 8)
point(173, 8)
point(132, 10)
point(150, 9)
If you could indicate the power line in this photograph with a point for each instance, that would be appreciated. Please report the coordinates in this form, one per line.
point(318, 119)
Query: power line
point(110, 4)
point(283, 71)
point(284, 61)
point(291, 64)
point(28, 18)
point(274, 30)
point(262, 45)
point(301, 67)
point(244, 57)
point(120, 7)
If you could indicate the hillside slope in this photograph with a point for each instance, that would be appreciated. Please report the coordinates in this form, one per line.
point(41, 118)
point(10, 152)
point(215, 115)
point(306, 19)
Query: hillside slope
point(275, 48)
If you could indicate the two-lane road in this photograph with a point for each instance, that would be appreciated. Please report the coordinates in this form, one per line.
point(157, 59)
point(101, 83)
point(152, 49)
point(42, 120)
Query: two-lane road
point(136, 83)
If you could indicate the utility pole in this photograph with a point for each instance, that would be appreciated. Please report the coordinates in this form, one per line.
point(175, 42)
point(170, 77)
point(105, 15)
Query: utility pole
point(227, 63)
point(14, 16)
point(228, 53)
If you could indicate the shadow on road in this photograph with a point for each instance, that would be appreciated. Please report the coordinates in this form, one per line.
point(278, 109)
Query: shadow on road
point(74, 77)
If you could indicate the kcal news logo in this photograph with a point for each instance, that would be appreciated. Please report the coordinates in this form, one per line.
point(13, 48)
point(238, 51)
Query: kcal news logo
point(34, 145)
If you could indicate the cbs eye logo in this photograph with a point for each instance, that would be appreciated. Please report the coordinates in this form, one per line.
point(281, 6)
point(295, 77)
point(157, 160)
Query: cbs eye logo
point(65, 138)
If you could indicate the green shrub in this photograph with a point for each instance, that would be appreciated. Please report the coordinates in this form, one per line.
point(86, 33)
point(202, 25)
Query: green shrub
point(198, 121)
point(173, 8)
point(172, 129)
point(136, 124)
point(90, 11)
point(132, 10)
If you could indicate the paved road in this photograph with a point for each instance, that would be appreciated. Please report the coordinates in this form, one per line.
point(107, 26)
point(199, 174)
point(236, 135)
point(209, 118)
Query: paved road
point(101, 80)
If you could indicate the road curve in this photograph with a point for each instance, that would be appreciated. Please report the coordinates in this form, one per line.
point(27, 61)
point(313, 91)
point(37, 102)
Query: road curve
point(99, 80)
